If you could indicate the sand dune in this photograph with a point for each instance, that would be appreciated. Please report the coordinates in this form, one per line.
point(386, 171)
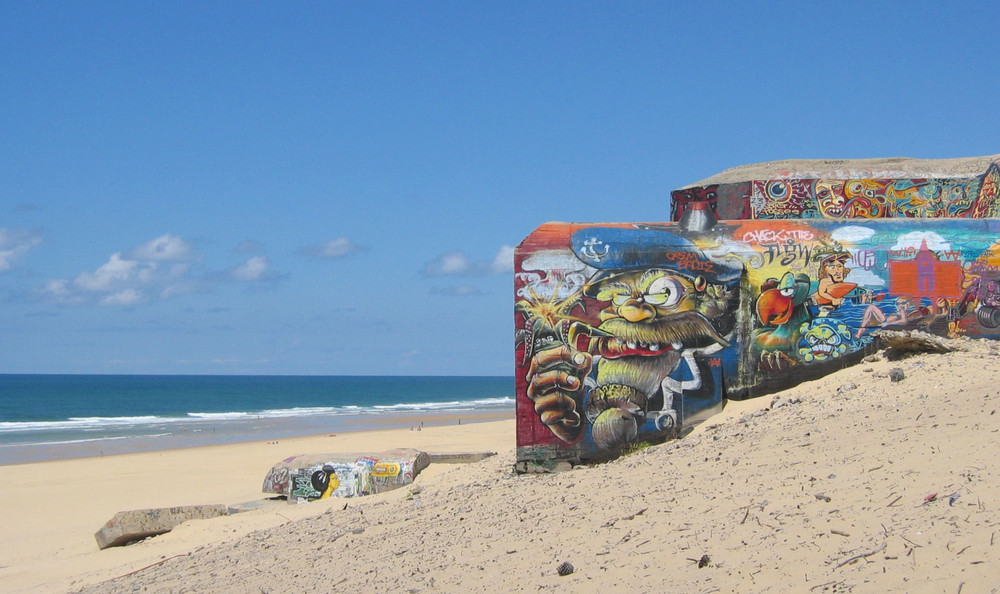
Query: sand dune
point(852, 483)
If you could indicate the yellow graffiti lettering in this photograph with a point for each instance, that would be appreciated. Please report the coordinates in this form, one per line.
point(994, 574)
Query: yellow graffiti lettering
point(385, 469)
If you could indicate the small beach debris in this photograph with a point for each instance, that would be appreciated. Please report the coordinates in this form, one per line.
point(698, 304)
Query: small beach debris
point(896, 375)
point(822, 497)
point(930, 498)
point(847, 387)
point(860, 556)
point(779, 401)
point(703, 562)
point(951, 500)
point(565, 568)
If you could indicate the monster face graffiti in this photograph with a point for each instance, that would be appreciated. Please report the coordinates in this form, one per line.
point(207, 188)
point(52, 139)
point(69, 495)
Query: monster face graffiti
point(632, 356)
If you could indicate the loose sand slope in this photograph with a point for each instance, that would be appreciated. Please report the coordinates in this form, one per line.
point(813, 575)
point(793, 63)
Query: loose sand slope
point(849, 483)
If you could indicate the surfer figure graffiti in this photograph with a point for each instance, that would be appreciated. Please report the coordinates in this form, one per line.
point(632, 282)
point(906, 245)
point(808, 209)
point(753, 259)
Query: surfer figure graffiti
point(832, 288)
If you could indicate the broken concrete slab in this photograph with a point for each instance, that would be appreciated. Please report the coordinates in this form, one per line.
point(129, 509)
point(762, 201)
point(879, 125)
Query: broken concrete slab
point(127, 526)
point(318, 476)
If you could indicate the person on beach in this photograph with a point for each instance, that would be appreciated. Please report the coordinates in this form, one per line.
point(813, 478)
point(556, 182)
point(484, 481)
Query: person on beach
point(905, 312)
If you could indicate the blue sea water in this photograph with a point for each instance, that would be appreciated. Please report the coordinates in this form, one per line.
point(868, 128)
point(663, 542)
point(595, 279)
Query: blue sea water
point(59, 416)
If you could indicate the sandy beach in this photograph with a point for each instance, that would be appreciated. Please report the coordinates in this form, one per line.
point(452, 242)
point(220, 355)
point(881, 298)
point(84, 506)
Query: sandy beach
point(851, 483)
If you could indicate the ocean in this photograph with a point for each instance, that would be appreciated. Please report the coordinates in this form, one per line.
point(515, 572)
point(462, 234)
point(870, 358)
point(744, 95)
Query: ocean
point(46, 417)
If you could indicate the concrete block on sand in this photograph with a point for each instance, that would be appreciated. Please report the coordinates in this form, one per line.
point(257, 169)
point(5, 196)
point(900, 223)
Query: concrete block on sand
point(127, 526)
point(317, 476)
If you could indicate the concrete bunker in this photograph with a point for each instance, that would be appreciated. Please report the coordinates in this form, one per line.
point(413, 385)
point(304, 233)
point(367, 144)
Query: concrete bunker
point(766, 275)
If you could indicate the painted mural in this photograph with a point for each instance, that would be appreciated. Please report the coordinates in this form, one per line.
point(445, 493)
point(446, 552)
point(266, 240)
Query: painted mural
point(631, 332)
point(793, 194)
point(302, 478)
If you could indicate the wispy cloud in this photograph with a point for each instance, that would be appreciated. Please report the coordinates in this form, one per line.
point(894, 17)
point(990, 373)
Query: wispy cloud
point(257, 268)
point(503, 262)
point(165, 248)
point(456, 263)
point(335, 248)
point(162, 268)
point(449, 263)
point(14, 244)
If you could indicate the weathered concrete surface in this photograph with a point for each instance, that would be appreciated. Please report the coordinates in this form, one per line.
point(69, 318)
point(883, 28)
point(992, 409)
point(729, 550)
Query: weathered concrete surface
point(127, 526)
point(318, 476)
point(895, 167)
point(849, 189)
point(460, 457)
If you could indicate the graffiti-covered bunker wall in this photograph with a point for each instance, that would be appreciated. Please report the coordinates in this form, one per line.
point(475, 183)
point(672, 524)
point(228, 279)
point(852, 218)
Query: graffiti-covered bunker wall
point(768, 275)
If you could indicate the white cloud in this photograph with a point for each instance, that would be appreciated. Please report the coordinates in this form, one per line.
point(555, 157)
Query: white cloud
point(335, 248)
point(59, 291)
point(159, 269)
point(852, 234)
point(14, 244)
point(456, 263)
point(126, 297)
point(865, 278)
point(448, 263)
point(254, 269)
point(165, 248)
point(503, 262)
point(116, 271)
point(914, 239)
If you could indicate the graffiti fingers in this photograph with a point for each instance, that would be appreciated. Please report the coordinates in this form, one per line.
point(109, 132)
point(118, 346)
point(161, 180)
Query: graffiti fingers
point(562, 356)
point(558, 412)
point(555, 385)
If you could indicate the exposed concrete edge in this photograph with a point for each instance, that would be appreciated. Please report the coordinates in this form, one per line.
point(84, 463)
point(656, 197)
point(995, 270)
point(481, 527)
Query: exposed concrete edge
point(459, 457)
point(890, 168)
point(129, 526)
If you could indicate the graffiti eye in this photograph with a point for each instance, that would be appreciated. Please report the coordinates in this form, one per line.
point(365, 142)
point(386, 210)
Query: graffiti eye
point(777, 189)
point(787, 292)
point(620, 299)
point(663, 291)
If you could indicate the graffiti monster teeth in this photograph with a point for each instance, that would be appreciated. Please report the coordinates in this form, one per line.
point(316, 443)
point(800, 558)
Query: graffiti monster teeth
point(614, 348)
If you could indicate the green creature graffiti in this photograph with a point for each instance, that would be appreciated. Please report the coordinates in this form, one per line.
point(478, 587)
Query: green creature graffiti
point(822, 340)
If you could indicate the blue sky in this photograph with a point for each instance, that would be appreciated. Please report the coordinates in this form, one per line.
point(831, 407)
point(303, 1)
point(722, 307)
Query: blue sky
point(337, 188)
